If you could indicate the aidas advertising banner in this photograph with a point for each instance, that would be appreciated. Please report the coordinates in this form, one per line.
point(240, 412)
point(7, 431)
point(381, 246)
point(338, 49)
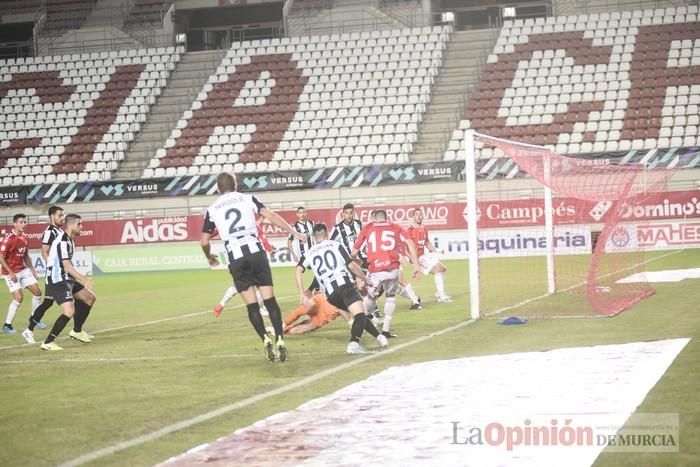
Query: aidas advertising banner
point(438, 216)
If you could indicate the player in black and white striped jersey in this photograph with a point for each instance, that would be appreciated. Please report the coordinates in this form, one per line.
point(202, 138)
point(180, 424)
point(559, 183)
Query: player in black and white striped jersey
point(304, 226)
point(64, 283)
point(297, 248)
point(52, 231)
point(347, 230)
point(233, 214)
point(332, 264)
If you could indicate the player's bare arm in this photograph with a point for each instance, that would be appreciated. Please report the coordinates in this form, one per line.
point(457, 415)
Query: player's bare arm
point(277, 220)
point(414, 257)
point(28, 262)
point(205, 243)
point(10, 274)
point(357, 271)
point(45, 252)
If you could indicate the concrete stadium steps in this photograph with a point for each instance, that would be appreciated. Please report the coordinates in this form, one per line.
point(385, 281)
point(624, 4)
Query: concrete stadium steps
point(462, 63)
point(186, 82)
point(107, 13)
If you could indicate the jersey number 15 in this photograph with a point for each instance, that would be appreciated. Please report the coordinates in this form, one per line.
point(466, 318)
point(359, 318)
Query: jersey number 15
point(387, 241)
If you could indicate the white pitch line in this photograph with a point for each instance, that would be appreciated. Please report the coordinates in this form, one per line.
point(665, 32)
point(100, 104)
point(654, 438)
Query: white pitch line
point(154, 435)
point(137, 359)
point(145, 323)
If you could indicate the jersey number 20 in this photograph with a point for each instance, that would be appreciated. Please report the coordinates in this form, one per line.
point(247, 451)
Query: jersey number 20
point(328, 260)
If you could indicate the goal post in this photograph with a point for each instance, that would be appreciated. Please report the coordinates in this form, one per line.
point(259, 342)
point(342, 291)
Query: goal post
point(556, 260)
point(472, 229)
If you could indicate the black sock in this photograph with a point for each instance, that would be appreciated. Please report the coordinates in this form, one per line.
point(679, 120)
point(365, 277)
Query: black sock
point(58, 326)
point(358, 326)
point(370, 327)
point(256, 319)
point(275, 316)
point(82, 311)
point(35, 318)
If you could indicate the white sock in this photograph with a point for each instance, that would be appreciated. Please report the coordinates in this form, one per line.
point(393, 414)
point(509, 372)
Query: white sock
point(409, 293)
point(230, 293)
point(389, 307)
point(440, 283)
point(12, 311)
point(36, 301)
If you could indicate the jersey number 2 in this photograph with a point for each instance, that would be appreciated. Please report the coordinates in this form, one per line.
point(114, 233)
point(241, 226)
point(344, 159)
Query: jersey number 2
point(233, 228)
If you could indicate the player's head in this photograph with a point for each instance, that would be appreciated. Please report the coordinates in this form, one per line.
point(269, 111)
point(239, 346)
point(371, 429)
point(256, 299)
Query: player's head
point(226, 182)
point(56, 215)
point(320, 232)
point(301, 214)
point(379, 215)
point(72, 224)
point(418, 216)
point(348, 212)
point(19, 221)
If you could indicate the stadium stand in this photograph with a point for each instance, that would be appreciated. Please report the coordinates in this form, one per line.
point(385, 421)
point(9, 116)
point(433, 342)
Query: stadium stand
point(67, 14)
point(316, 17)
point(145, 13)
point(311, 102)
point(614, 82)
point(19, 7)
point(71, 118)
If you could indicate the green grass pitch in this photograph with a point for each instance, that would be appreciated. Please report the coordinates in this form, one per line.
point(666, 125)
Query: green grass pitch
point(140, 375)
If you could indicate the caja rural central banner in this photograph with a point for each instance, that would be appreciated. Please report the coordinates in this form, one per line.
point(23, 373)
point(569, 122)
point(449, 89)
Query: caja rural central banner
point(438, 216)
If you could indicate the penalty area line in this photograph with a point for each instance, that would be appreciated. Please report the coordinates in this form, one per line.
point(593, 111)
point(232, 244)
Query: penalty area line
point(154, 435)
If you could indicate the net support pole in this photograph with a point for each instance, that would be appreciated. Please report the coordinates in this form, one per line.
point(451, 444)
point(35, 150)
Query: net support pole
point(472, 237)
point(549, 225)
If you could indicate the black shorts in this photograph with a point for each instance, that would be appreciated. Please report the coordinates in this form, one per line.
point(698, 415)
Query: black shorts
point(251, 270)
point(62, 292)
point(344, 296)
point(77, 287)
point(314, 285)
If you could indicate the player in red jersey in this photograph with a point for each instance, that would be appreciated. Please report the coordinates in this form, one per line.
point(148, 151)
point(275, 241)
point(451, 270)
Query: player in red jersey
point(231, 291)
point(18, 272)
point(427, 260)
point(384, 242)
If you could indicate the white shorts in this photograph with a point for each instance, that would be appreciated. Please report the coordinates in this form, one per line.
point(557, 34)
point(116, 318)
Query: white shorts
point(383, 280)
point(25, 278)
point(427, 262)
